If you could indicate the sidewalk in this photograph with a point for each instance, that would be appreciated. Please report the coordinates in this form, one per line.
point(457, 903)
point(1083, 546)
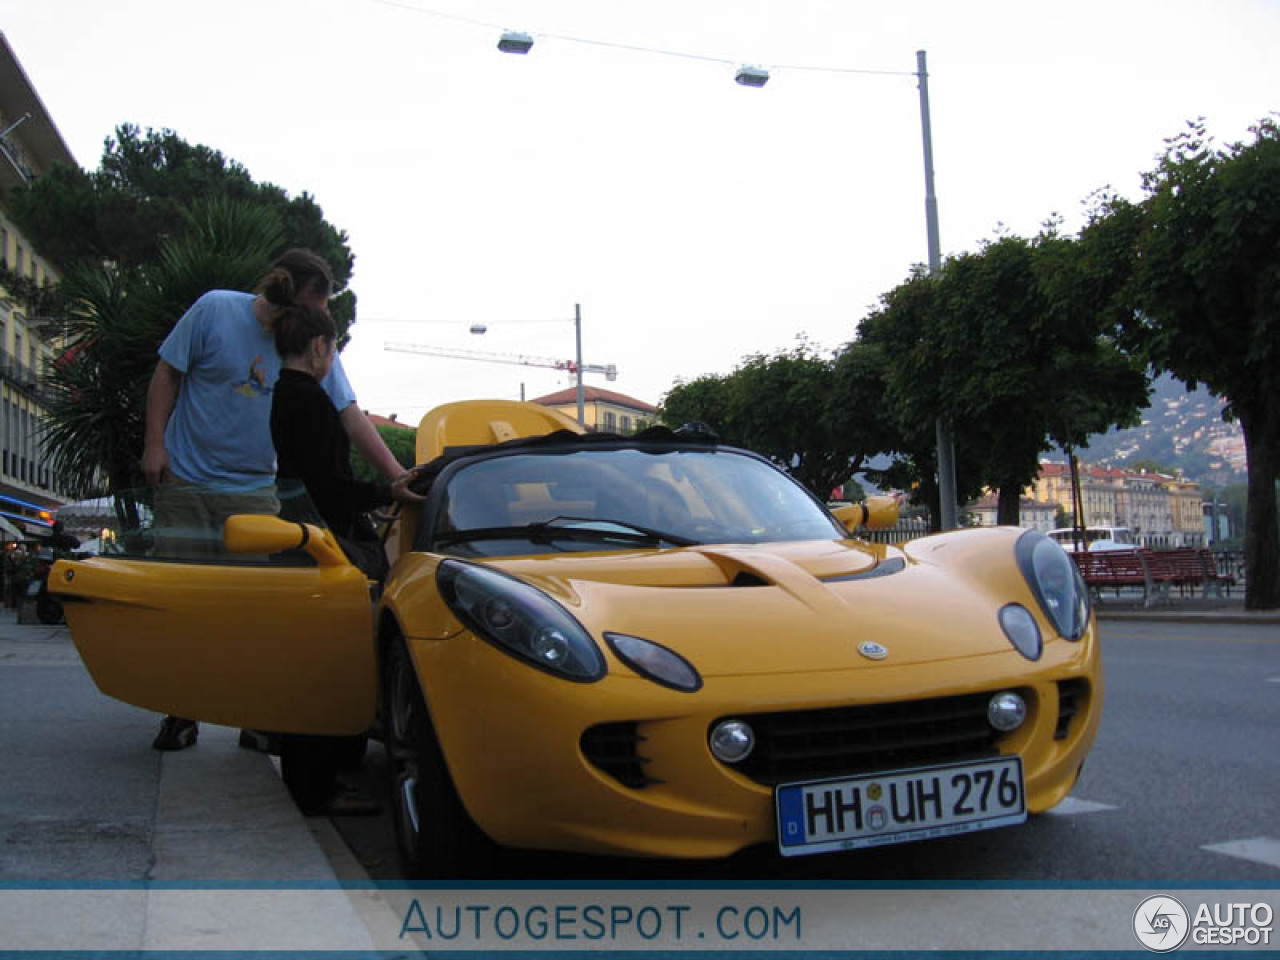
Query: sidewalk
point(89, 805)
point(1192, 609)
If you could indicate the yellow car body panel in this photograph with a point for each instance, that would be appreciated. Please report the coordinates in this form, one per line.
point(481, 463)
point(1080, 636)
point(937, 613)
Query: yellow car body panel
point(469, 422)
point(227, 644)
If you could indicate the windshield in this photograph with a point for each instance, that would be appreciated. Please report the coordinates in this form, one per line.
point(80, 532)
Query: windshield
point(617, 498)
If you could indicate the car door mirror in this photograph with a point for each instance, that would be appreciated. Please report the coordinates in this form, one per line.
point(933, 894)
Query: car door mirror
point(875, 513)
point(260, 533)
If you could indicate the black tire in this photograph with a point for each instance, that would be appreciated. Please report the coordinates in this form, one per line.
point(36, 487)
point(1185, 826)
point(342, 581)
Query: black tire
point(351, 751)
point(309, 768)
point(49, 609)
point(435, 835)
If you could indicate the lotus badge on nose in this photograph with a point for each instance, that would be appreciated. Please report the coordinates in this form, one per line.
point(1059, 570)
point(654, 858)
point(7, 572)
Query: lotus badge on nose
point(872, 650)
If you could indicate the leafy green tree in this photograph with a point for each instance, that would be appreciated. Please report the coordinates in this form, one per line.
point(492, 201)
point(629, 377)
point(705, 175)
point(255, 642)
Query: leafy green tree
point(141, 197)
point(1151, 466)
point(1014, 346)
point(1209, 291)
point(785, 407)
point(400, 441)
point(913, 397)
point(705, 400)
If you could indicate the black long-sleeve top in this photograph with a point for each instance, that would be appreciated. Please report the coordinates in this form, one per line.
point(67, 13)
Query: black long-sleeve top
point(312, 446)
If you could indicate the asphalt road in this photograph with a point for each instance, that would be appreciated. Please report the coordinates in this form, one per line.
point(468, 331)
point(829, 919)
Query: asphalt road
point(67, 811)
point(1180, 788)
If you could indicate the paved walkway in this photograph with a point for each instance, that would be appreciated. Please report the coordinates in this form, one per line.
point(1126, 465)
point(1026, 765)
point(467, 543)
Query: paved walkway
point(89, 806)
point(1184, 610)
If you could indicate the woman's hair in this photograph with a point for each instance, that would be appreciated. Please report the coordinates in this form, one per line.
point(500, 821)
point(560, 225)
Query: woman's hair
point(297, 325)
point(295, 272)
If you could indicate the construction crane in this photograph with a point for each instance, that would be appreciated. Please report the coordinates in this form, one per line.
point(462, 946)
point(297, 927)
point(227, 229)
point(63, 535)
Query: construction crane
point(575, 367)
point(610, 371)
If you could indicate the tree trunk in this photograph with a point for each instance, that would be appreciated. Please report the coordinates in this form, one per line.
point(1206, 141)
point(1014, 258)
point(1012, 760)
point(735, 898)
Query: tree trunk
point(1009, 506)
point(1262, 527)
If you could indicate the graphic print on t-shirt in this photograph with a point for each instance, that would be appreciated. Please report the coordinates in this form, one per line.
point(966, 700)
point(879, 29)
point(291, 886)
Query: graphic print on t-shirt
point(256, 384)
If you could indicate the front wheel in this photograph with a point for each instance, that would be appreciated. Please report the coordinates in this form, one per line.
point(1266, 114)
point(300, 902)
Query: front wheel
point(49, 609)
point(436, 836)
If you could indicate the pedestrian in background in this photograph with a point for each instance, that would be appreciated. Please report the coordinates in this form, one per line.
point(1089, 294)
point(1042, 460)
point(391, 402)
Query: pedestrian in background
point(19, 567)
point(208, 446)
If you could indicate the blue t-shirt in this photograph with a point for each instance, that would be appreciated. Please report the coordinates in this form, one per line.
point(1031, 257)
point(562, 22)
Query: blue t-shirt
point(219, 434)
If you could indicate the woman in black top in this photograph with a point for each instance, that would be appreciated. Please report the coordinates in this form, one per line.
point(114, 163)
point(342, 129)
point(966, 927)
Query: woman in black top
point(312, 446)
point(312, 449)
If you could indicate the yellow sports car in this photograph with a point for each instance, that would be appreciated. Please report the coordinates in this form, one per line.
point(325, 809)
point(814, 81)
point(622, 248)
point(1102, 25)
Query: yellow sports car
point(654, 646)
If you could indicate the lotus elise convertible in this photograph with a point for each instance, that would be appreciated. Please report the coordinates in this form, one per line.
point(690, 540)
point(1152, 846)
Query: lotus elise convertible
point(655, 645)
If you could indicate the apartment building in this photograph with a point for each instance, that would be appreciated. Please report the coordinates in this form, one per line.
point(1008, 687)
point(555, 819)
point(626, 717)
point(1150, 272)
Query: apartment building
point(1032, 514)
point(1100, 490)
point(603, 410)
point(1161, 511)
point(29, 145)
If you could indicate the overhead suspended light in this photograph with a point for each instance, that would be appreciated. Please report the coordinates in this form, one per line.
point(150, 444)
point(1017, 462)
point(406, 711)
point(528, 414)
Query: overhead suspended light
point(515, 41)
point(750, 76)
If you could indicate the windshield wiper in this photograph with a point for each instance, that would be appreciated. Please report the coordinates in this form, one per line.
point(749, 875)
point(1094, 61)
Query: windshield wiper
point(589, 529)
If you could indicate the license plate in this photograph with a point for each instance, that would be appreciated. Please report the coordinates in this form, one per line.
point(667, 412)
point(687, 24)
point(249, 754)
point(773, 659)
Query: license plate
point(899, 806)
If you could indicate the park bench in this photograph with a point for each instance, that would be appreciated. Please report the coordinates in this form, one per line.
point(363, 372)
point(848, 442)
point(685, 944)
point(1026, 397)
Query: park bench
point(1219, 579)
point(1187, 569)
point(1154, 572)
point(1122, 569)
point(1196, 569)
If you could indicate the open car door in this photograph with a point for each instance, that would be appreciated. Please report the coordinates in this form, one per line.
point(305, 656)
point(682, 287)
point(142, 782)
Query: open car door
point(272, 630)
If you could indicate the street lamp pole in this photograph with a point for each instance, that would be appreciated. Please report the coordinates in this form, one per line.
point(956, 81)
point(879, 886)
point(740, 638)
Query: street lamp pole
point(946, 445)
point(577, 331)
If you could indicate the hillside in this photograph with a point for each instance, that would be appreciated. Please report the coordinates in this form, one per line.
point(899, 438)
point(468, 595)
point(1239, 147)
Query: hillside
point(1182, 430)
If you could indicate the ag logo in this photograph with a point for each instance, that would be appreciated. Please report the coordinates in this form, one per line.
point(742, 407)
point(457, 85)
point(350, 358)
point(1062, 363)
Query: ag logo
point(1161, 923)
point(872, 650)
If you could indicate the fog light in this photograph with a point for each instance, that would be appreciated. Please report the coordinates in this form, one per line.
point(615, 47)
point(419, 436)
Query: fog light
point(732, 741)
point(1006, 711)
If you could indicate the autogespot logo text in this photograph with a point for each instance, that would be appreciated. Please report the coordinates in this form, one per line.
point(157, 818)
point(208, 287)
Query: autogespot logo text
point(1161, 923)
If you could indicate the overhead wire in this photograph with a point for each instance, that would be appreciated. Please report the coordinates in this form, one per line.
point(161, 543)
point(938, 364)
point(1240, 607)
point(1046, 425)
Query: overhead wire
point(638, 48)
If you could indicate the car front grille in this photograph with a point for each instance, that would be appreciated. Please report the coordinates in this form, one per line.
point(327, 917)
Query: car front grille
point(799, 745)
point(1071, 696)
point(845, 741)
point(614, 748)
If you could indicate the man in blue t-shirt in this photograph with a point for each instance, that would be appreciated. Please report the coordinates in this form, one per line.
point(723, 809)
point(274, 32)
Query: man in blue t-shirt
point(208, 449)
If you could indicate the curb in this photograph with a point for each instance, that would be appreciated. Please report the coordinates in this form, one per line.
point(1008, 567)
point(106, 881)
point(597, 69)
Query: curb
point(1260, 618)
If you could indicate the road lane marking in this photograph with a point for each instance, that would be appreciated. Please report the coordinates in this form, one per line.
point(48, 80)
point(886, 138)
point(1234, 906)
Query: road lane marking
point(1073, 805)
point(1265, 850)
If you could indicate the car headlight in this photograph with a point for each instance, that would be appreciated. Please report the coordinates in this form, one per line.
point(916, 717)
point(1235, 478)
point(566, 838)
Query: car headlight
point(655, 661)
point(520, 619)
point(1056, 583)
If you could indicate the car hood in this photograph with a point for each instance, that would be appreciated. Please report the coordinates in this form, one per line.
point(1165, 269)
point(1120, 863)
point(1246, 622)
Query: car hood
point(736, 610)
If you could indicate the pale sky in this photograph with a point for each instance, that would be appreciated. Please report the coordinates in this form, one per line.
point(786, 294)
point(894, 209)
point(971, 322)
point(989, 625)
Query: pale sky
point(695, 220)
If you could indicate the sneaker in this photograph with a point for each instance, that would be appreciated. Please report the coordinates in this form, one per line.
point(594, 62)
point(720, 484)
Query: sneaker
point(176, 733)
point(261, 741)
